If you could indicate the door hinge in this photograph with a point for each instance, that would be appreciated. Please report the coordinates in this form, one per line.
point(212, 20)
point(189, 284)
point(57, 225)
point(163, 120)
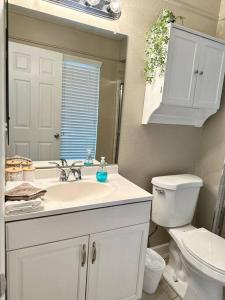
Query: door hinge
point(2, 284)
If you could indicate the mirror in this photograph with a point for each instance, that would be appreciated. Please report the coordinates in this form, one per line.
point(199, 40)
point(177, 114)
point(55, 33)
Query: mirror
point(65, 89)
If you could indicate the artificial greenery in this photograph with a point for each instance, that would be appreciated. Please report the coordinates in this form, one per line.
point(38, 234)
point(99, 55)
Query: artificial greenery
point(156, 45)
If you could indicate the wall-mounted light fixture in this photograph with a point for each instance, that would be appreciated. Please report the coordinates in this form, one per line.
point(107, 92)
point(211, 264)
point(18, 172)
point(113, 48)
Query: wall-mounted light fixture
point(110, 9)
point(114, 7)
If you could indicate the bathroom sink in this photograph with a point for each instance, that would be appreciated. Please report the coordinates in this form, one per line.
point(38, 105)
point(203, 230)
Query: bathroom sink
point(74, 191)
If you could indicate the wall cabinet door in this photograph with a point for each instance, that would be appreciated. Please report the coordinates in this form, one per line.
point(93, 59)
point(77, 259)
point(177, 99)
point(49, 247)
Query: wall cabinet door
point(190, 90)
point(54, 271)
point(181, 70)
point(211, 75)
point(116, 264)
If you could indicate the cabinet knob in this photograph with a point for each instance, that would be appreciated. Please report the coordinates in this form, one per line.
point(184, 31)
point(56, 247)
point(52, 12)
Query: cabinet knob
point(201, 73)
point(196, 72)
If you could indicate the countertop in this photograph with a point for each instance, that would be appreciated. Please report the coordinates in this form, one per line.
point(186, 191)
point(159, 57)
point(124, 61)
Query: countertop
point(122, 192)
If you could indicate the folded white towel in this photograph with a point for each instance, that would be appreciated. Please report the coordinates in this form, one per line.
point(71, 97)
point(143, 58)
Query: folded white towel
point(21, 207)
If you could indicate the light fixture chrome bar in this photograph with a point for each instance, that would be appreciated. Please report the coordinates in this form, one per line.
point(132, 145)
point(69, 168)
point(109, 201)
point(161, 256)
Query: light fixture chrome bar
point(100, 10)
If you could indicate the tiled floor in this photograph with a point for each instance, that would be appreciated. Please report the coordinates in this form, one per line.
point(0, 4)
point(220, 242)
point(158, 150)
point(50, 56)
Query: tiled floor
point(164, 292)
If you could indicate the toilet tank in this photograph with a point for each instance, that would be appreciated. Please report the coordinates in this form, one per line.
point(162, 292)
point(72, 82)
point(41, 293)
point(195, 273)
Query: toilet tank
point(175, 199)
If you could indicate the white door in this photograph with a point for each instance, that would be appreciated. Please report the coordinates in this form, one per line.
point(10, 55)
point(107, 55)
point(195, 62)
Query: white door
point(116, 264)
point(211, 75)
point(55, 271)
point(181, 68)
point(2, 144)
point(35, 84)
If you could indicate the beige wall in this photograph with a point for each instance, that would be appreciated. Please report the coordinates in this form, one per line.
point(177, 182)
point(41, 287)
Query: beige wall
point(73, 41)
point(212, 153)
point(147, 151)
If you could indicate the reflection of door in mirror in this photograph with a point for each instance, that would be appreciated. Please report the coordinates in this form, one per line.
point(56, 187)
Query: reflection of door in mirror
point(64, 92)
point(35, 77)
point(54, 101)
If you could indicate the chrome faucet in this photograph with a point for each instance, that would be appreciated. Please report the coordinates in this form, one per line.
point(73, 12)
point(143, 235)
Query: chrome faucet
point(66, 170)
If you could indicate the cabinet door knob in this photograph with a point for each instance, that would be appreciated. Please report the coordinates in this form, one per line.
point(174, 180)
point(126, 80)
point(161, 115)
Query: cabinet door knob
point(201, 73)
point(94, 253)
point(84, 255)
point(196, 72)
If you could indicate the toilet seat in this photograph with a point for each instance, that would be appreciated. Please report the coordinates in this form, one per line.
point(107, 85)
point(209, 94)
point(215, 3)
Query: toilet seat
point(207, 249)
point(202, 250)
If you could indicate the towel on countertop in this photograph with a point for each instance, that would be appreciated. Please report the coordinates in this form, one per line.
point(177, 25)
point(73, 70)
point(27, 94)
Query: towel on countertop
point(23, 206)
point(24, 191)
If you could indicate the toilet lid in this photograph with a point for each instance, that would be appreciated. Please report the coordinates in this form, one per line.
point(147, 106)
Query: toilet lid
point(175, 182)
point(206, 247)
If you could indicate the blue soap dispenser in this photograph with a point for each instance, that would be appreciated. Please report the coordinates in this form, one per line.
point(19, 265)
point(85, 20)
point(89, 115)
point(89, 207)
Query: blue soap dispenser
point(102, 174)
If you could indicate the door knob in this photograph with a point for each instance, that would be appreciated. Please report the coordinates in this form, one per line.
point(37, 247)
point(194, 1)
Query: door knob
point(201, 73)
point(196, 72)
point(57, 136)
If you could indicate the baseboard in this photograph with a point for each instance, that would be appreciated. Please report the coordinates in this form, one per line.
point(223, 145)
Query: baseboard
point(162, 250)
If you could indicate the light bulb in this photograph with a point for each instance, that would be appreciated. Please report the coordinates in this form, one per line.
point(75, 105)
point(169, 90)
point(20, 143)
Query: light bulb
point(93, 2)
point(115, 6)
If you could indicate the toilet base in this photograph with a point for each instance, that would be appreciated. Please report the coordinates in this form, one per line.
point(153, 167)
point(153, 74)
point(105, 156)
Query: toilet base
point(179, 286)
point(174, 273)
point(188, 282)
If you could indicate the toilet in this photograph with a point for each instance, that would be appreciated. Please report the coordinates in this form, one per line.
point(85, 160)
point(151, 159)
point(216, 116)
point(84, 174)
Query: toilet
point(196, 267)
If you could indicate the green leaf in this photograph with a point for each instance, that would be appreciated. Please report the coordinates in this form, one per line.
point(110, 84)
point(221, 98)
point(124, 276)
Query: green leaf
point(157, 39)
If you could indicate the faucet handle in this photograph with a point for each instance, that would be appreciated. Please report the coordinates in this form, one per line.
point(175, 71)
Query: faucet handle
point(55, 163)
point(63, 163)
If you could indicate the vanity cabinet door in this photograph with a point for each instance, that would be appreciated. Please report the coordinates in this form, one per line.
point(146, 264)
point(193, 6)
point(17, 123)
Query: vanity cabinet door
point(54, 271)
point(116, 264)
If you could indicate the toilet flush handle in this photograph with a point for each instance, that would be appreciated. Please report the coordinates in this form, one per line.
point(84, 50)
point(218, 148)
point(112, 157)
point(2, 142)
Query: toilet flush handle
point(160, 191)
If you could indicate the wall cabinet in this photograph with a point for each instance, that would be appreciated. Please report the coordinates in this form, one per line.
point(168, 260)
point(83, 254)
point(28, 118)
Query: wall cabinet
point(98, 266)
point(190, 90)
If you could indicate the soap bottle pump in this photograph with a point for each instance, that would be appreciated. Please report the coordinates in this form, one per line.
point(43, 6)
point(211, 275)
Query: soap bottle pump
point(102, 174)
point(89, 160)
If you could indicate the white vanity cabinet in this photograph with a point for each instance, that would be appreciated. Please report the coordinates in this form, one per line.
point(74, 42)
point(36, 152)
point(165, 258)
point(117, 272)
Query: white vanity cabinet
point(190, 90)
point(93, 255)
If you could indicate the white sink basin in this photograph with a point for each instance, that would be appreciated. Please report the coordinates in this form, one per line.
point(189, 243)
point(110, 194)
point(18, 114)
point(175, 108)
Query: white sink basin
point(74, 191)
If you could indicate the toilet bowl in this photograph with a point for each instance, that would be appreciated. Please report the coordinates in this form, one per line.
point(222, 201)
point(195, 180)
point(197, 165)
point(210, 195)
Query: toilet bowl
point(196, 268)
point(200, 273)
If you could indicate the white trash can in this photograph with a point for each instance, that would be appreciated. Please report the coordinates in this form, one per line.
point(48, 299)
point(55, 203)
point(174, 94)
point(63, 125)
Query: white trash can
point(154, 267)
